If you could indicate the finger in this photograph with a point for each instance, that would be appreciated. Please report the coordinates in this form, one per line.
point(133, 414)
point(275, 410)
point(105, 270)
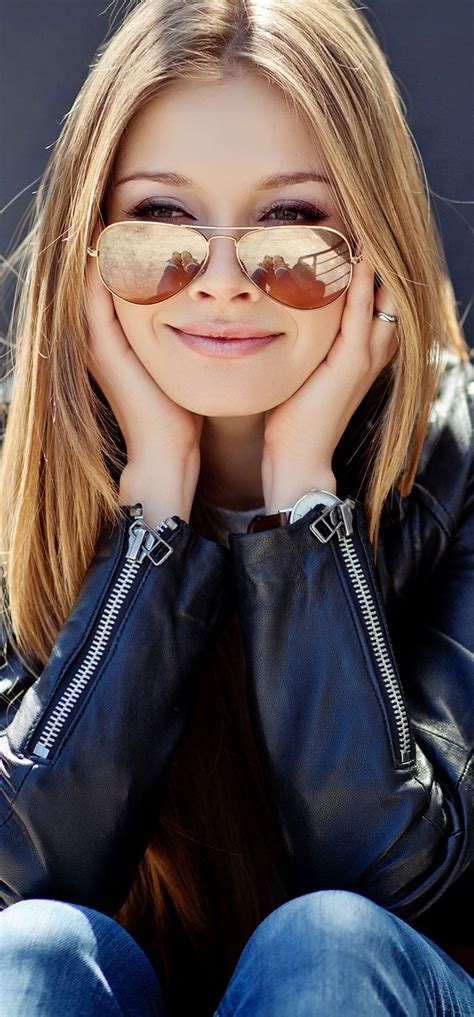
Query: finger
point(107, 345)
point(98, 297)
point(350, 353)
point(108, 349)
point(384, 334)
point(384, 301)
point(358, 311)
point(360, 295)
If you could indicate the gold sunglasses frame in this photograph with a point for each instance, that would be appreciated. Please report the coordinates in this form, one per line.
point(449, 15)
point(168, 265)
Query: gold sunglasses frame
point(353, 260)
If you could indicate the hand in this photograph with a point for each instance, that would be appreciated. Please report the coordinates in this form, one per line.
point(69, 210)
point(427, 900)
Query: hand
point(161, 437)
point(149, 420)
point(301, 434)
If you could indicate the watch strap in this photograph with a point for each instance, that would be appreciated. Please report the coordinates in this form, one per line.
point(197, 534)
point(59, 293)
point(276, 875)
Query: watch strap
point(286, 515)
point(258, 523)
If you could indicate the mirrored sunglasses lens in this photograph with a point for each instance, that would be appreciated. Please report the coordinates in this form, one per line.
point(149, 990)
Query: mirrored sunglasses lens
point(147, 262)
point(305, 266)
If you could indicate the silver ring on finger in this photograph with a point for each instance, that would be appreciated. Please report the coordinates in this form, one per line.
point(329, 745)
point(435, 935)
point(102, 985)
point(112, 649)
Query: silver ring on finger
point(392, 318)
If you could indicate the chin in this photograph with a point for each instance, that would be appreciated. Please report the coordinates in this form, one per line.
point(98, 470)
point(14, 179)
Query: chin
point(210, 406)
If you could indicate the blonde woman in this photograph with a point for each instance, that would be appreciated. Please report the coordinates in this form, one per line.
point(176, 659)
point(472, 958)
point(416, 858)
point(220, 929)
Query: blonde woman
point(237, 540)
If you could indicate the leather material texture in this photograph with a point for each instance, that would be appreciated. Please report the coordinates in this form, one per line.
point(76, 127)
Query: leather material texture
point(351, 817)
point(355, 812)
point(74, 825)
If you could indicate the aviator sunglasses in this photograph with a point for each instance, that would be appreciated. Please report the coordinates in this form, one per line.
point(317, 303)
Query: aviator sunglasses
point(303, 266)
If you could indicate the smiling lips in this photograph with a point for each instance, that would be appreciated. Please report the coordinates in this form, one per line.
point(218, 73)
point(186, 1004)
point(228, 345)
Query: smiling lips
point(225, 331)
point(225, 341)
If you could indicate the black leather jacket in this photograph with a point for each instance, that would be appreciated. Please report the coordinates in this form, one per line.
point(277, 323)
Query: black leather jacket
point(361, 693)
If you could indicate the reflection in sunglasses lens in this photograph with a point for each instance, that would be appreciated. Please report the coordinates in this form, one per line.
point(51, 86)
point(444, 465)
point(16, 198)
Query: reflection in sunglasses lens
point(305, 267)
point(145, 262)
point(302, 267)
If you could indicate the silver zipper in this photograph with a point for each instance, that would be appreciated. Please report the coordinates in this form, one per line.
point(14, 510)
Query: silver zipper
point(338, 519)
point(143, 542)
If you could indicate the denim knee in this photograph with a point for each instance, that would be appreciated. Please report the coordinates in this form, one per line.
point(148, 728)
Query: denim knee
point(54, 927)
point(41, 927)
point(60, 953)
point(345, 920)
point(330, 951)
point(338, 918)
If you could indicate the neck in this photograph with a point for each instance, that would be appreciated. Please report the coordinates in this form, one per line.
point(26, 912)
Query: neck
point(231, 457)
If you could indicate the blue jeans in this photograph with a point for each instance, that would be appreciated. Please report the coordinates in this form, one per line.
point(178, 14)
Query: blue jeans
point(331, 952)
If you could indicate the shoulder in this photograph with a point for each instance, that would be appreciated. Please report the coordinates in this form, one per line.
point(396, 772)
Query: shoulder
point(435, 519)
point(444, 474)
point(445, 465)
point(451, 419)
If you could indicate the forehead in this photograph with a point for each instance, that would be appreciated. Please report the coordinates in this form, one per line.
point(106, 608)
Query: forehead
point(207, 131)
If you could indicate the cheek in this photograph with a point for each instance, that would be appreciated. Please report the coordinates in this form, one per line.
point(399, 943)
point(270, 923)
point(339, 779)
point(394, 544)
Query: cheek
point(136, 322)
point(317, 331)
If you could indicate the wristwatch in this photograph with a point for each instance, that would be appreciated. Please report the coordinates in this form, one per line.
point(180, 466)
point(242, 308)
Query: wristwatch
point(289, 515)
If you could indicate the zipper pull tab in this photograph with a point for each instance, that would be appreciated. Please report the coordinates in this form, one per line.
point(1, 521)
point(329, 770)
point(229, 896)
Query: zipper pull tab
point(135, 541)
point(136, 532)
point(337, 519)
point(144, 539)
point(345, 511)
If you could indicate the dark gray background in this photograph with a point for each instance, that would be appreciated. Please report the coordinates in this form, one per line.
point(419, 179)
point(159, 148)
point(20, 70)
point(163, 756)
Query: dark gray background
point(46, 47)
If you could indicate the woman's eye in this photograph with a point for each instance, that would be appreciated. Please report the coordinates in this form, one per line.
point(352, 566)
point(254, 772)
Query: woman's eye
point(289, 213)
point(157, 209)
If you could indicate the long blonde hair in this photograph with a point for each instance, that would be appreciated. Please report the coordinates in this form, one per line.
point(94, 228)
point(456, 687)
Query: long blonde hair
point(62, 454)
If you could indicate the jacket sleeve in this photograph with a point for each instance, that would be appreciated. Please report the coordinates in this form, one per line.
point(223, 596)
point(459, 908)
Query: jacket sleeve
point(369, 768)
point(84, 752)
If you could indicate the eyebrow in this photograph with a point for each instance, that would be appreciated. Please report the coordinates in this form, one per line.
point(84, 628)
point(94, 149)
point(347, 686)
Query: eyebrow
point(175, 180)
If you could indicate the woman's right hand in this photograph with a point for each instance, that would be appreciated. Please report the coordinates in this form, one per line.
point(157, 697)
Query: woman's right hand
point(161, 437)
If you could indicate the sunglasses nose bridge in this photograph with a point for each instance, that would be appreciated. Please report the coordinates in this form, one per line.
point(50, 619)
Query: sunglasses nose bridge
point(220, 236)
point(223, 236)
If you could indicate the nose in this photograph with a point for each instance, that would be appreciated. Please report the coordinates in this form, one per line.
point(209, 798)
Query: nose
point(223, 277)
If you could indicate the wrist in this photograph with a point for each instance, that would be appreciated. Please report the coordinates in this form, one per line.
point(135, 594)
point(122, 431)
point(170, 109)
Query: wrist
point(287, 487)
point(158, 496)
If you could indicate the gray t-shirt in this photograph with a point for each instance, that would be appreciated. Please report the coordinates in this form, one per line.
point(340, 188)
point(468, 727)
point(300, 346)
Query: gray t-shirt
point(230, 520)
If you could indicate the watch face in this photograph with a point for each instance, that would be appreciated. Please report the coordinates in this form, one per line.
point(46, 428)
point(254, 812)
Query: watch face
point(310, 500)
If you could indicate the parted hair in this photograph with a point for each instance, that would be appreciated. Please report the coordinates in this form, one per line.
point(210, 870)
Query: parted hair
point(215, 860)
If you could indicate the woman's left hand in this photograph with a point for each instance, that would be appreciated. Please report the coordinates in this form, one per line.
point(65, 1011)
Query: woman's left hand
point(302, 433)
